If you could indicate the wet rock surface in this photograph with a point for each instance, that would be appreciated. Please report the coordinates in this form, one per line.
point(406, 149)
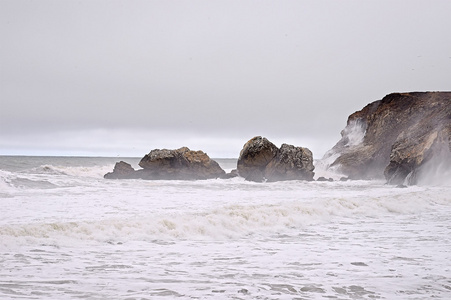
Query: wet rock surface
point(121, 170)
point(180, 164)
point(254, 157)
point(403, 137)
point(261, 160)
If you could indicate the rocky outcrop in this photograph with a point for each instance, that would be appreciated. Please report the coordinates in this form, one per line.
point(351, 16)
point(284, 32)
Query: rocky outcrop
point(290, 163)
point(261, 160)
point(254, 157)
point(122, 170)
point(181, 164)
point(322, 178)
point(231, 174)
point(397, 138)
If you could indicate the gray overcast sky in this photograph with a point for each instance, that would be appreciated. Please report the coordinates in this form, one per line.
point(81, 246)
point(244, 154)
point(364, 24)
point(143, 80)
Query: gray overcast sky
point(125, 77)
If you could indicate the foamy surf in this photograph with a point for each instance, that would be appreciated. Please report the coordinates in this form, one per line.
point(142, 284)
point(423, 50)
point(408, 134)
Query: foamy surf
point(66, 232)
point(284, 214)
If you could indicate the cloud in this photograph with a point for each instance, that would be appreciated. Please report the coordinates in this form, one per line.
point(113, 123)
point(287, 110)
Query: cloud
point(206, 70)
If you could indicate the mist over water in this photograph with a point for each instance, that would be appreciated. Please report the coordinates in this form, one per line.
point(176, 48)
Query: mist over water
point(65, 232)
point(435, 158)
point(351, 137)
point(437, 170)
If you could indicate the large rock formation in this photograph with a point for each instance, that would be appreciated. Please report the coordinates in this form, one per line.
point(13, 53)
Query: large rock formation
point(290, 163)
point(399, 137)
point(254, 157)
point(181, 164)
point(261, 160)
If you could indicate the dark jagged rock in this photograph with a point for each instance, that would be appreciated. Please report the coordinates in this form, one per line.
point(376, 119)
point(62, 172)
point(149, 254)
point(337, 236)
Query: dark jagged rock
point(232, 174)
point(121, 170)
point(181, 164)
point(404, 136)
point(401, 186)
point(261, 160)
point(254, 157)
point(322, 178)
point(290, 163)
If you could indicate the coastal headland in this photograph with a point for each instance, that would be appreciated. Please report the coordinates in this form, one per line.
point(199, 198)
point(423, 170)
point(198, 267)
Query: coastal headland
point(404, 138)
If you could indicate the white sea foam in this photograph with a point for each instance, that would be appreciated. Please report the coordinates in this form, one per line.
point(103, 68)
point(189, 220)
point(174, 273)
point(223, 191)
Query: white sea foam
point(91, 238)
point(5, 185)
point(282, 211)
point(323, 167)
point(83, 171)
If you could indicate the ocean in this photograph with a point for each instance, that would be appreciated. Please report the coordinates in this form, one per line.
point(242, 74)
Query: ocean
point(68, 233)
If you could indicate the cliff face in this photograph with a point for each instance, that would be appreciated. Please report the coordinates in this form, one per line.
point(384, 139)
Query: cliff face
point(398, 137)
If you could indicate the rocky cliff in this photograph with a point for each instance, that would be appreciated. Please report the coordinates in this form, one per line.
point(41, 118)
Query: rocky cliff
point(405, 137)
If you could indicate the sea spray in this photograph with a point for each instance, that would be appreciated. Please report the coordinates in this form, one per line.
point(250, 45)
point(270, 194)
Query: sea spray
point(351, 137)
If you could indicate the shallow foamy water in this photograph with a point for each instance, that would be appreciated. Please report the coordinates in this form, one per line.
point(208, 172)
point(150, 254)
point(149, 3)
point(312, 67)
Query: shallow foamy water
point(67, 233)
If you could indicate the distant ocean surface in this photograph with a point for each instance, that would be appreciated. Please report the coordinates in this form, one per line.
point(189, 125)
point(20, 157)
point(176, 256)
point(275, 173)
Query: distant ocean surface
point(67, 233)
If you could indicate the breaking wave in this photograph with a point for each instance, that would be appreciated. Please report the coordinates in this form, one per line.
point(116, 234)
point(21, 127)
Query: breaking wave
point(91, 171)
point(226, 222)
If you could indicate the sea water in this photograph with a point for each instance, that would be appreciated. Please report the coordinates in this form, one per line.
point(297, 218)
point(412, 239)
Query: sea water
point(67, 233)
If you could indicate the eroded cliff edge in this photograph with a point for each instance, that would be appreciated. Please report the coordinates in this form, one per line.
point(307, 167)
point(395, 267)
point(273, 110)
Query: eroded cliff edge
point(404, 138)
